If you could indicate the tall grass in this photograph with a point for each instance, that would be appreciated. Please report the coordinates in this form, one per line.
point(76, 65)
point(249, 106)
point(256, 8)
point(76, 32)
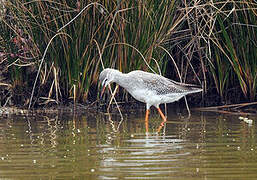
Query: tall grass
point(183, 39)
point(235, 49)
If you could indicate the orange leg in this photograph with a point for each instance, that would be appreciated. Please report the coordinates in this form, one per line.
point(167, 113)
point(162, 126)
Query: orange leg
point(160, 127)
point(146, 120)
point(163, 122)
point(162, 115)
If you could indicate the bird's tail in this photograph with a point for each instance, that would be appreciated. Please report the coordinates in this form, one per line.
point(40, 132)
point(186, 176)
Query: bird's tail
point(194, 89)
point(188, 88)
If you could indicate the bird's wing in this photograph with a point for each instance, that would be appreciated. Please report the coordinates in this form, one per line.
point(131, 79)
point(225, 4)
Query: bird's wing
point(160, 84)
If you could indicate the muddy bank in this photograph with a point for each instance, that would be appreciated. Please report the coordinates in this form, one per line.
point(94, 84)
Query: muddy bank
point(243, 109)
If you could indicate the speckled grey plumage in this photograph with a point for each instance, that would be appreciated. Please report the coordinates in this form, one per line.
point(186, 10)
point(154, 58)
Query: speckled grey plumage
point(146, 87)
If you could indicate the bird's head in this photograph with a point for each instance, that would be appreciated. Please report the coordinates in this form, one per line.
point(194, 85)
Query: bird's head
point(106, 77)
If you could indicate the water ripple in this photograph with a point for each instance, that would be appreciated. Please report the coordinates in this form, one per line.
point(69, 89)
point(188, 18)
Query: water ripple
point(67, 147)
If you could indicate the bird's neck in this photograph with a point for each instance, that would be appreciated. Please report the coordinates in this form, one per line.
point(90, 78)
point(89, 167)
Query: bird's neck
point(121, 79)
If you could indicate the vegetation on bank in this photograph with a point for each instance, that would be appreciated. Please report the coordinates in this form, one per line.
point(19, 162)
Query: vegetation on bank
point(53, 51)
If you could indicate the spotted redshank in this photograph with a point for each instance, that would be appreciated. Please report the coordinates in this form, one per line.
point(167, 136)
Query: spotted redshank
point(152, 89)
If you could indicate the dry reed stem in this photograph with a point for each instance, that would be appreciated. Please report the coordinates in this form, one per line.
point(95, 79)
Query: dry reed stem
point(229, 112)
point(113, 124)
point(233, 106)
point(101, 52)
point(95, 3)
point(113, 94)
point(40, 66)
point(100, 58)
point(5, 84)
point(137, 52)
point(178, 72)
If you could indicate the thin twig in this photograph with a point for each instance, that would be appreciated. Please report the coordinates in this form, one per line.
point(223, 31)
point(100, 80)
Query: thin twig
point(41, 63)
point(137, 52)
point(178, 72)
point(103, 48)
point(95, 3)
point(227, 106)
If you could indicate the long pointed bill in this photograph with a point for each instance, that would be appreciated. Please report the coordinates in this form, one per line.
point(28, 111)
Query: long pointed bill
point(102, 92)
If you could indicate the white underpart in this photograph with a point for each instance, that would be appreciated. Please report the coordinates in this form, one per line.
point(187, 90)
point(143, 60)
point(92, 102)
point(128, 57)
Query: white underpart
point(151, 99)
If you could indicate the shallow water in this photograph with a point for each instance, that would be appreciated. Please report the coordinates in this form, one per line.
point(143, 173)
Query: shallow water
point(98, 146)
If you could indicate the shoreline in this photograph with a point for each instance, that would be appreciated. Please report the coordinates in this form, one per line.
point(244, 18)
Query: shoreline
point(235, 109)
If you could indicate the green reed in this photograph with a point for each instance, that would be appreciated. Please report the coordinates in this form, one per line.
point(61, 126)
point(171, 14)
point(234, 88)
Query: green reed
point(236, 55)
point(124, 34)
point(184, 41)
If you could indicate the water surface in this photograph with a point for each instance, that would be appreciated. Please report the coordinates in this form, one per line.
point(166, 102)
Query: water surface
point(99, 146)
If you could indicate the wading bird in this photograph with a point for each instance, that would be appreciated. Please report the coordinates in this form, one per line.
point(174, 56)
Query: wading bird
point(152, 89)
